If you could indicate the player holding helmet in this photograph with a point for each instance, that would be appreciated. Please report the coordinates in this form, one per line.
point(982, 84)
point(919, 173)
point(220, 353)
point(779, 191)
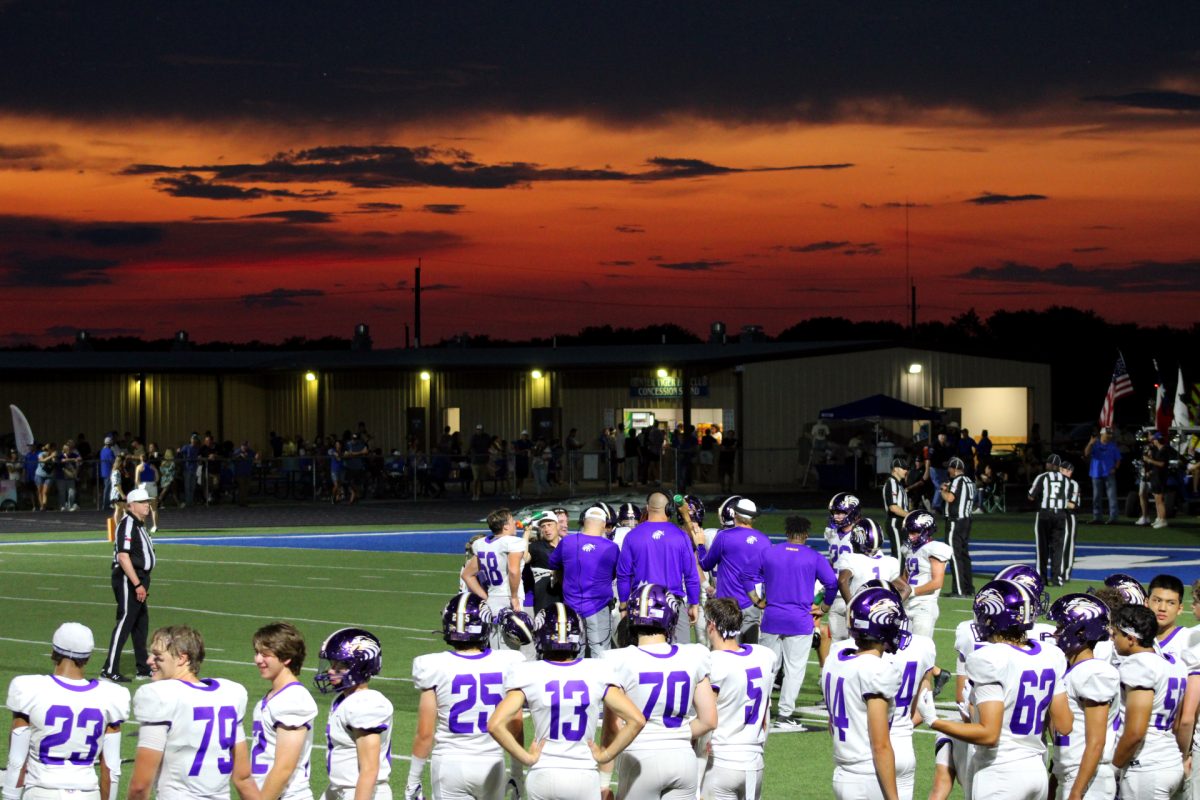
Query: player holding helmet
point(358, 734)
point(564, 694)
point(495, 574)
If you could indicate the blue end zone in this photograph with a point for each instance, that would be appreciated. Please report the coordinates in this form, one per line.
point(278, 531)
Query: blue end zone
point(1092, 562)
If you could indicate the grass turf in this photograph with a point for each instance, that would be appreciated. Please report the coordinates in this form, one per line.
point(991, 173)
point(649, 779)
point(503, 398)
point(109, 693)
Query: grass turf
point(228, 592)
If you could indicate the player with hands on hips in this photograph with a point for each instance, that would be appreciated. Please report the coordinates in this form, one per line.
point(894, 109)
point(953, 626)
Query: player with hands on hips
point(358, 735)
point(860, 689)
point(564, 693)
point(460, 689)
point(1082, 755)
point(284, 718)
point(62, 724)
point(1013, 681)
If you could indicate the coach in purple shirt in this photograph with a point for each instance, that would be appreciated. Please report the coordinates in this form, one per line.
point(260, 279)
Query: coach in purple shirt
point(789, 573)
point(657, 551)
point(737, 552)
point(584, 566)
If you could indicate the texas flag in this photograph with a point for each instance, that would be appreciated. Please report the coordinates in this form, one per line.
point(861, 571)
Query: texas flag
point(1164, 406)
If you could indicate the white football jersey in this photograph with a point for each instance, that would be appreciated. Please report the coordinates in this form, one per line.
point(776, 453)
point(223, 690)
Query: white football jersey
point(1025, 679)
point(619, 535)
point(838, 543)
point(865, 568)
point(912, 662)
point(204, 724)
point(493, 552)
point(848, 679)
point(916, 566)
point(1168, 678)
point(468, 688)
point(966, 642)
point(743, 680)
point(67, 719)
point(291, 707)
point(661, 680)
point(564, 699)
point(1191, 661)
point(1174, 642)
point(365, 710)
point(1096, 681)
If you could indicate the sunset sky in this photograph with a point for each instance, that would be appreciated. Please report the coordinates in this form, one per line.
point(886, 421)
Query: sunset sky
point(263, 170)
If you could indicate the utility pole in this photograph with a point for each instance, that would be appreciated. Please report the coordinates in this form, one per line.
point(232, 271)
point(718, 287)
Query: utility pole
point(417, 308)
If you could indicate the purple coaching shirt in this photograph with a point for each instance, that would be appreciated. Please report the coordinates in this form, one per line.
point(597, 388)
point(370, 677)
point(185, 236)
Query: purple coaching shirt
point(658, 552)
point(789, 574)
point(736, 551)
point(588, 564)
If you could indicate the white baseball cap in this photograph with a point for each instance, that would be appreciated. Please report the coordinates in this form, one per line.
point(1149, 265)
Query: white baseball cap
point(73, 640)
point(138, 496)
point(596, 512)
point(548, 516)
point(745, 508)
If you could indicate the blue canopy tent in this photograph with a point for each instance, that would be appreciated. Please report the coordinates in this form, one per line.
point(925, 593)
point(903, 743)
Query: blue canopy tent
point(875, 408)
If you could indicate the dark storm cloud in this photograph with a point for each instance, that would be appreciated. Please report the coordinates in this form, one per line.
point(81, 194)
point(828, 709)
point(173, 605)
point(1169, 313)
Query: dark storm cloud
point(616, 263)
point(29, 156)
point(379, 208)
point(1094, 249)
point(629, 229)
point(693, 266)
point(623, 61)
point(1132, 277)
point(297, 216)
point(816, 247)
point(989, 199)
point(20, 269)
point(120, 236)
point(448, 209)
point(190, 185)
point(1165, 101)
point(391, 166)
point(279, 298)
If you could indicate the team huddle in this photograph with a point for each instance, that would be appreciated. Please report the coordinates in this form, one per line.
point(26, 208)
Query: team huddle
point(1098, 701)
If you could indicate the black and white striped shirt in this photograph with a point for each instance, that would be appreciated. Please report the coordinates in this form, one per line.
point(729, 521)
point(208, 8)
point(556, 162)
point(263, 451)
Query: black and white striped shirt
point(1073, 493)
point(132, 538)
point(1050, 491)
point(894, 494)
point(963, 504)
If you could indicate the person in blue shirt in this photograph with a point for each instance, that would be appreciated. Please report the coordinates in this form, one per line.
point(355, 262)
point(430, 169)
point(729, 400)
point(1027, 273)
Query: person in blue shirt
point(1102, 469)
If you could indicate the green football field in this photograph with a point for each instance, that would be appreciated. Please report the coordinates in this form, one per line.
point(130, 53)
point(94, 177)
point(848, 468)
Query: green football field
point(228, 592)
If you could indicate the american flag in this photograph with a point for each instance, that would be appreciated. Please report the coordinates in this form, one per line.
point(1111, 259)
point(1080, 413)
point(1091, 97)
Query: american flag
point(1118, 388)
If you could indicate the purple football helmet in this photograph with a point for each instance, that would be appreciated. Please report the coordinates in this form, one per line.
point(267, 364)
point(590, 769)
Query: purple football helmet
point(359, 650)
point(1028, 577)
point(629, 514)
point(866, 538)
point(725, 511)
point(878, 615)
point(695, 508)
point(558, 629)
point(1001, 606)
point(467, 618)
point(1129, 587)
point(515, 627)
point(848, 507)
point(921, 527)
point(1081, 619)
point(652, 606)
point(878, 583)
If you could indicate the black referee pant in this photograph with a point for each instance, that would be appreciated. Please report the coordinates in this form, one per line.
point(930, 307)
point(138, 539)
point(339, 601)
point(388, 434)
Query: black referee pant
point(133, 619)
point(959, 536)
point(896, 529)
point(1050, 533)
point(1068, 559)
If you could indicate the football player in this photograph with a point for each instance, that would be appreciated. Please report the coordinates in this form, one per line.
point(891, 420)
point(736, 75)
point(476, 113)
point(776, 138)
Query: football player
point(915, 662)
point(1147, 759)
point(283, 720)
point(670, 684)
point(564, 693)
point(358, 735)
point(844, 513)
point(742, 676)
point(860, 687)
point(460, 688)
point(191, 740)
point(62, 722)
point(1082, 755)
point(924, 569)
point(628, 515)
point(1166, 601)
point(864, 562)
point(1013, 679)
point(495, 575)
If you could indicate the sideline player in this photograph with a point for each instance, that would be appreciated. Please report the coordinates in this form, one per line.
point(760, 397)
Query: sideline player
point(742, 676)
point(495, 574)
point(1147, 758)
point(1011, 677)
point(860, 687)
point(669, 682)
point(283, 720)
point(1165, 599)
point(460, 688)
point(915, 662)
point(358, 735)
point(564, 694)
point(863, 563)
point(191, 740)
point(88, 712)
point(1082, 755)
point(924, 569)
point(845, 510)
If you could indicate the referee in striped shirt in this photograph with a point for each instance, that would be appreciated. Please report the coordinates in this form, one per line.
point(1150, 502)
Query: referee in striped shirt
point(895, 503)
point(133, 560)
point(1051, 492)
point(958, 494)
point(1067, 470)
